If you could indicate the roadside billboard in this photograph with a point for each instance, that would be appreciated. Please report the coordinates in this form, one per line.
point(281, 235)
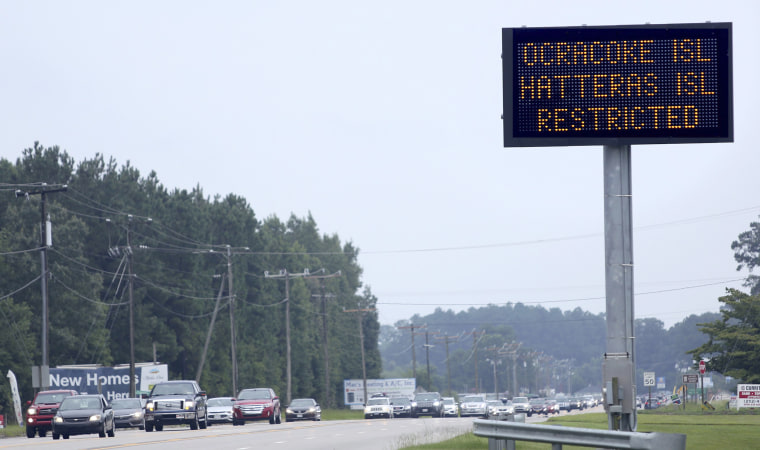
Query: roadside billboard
point(353, 390)
point(112, 382)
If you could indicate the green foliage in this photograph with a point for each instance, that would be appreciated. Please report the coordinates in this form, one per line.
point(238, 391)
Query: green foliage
point(557, 350)
point(179, 242)
point(747, 254)
point(733, 347)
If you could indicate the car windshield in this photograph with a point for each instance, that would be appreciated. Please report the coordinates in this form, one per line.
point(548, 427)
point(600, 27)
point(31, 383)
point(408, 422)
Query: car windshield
point(302, 402)
point(520, 400)
point(51, 398)
point(254, 394)
point(126, 403)
point(426, 397)
point(448, 401)
point(400, 401)
point(173, 389)
point(378, 401)
point(79, 402)
point(495, 403)
point(473, 399)
point(219, 402)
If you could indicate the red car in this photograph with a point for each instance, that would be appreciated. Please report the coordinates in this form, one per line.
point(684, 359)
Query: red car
point(256, 404)
point(40, 412)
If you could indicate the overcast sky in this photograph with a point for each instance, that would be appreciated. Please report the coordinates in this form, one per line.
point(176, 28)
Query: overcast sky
point(382, 120)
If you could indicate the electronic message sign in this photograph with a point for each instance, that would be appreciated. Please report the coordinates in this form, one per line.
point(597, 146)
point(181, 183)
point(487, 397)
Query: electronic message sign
point(619, 85)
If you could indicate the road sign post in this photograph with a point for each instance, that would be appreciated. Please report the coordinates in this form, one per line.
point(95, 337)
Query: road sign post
point(649, 382)
point(702, 367)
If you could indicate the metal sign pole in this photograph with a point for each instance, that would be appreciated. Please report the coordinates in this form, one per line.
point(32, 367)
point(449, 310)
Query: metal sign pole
point(618, 366)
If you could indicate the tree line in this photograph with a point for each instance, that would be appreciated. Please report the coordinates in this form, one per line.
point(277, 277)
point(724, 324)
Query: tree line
point(181, 245)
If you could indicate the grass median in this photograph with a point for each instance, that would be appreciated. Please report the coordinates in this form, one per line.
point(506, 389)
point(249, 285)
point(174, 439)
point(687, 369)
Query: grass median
point(704, 430)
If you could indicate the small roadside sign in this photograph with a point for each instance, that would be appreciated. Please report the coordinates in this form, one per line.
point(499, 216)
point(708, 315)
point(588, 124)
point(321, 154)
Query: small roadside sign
point(691, 378)
point(648, 378)
point(702, 367)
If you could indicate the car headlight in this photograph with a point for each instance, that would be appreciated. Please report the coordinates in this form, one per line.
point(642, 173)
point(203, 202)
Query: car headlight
point(436, 403)
point(58, 419)
point(189, 404)
point(95, 418)
point(137, 414)
point(289, 411)
point(31, 411)
point(414, 404)
point(149, 406)
point(312, 410)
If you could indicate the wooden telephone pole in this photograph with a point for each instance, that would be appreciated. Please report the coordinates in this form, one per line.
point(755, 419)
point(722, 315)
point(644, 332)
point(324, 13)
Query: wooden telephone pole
point(360, 317)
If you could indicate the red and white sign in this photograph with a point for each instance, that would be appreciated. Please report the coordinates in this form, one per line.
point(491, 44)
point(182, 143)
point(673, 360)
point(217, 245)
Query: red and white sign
point(702, 367)
point(748, 396)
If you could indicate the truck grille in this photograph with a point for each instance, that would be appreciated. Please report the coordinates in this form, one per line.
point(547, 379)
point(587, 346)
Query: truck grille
point(169, 404)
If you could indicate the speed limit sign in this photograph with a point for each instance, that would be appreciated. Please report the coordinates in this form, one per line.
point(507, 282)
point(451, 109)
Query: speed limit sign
point(648, 378)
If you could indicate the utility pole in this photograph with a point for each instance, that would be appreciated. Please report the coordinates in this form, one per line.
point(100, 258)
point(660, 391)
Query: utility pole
point(427, 357)
point(208, 335)
point(128, 254)
point(328, 395)
point(130, 283)
point(233, 347)
point(510, 350)
point(46, 240)
point(414, 353)
point(283, 273)
point(475, 350)
point(447, 339)
point(360, 316)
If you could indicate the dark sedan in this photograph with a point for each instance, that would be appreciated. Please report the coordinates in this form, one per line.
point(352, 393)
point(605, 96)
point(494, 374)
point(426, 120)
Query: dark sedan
point(128, 413)
point(303, 409)
point(83, 414)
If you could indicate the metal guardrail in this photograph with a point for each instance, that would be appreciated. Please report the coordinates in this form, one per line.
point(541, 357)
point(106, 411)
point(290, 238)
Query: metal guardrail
point(502, 436)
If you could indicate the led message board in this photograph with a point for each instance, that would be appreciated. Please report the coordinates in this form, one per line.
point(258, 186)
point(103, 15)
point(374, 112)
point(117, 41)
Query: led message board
point(620, 85)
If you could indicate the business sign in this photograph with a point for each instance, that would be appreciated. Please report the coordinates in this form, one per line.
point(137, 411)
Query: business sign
point(619, 85)
point(353, 390)
point(112, 382)
point(660, 382)
point(748, 396)
point(691, 378)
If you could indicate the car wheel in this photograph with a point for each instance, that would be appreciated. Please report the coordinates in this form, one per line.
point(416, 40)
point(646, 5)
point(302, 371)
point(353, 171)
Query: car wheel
point(65, 436)
point(194, 423)
point(41, 432)
point(204, 424)
point(30, 432)
point(271, 419)
point(278, 418)
point(159, 427)
point(148, 427)
point(56, 436)
point(112, 432)
point(102, 431)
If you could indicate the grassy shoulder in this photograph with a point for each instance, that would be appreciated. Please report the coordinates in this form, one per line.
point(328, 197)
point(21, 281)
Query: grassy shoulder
point(703, 429)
